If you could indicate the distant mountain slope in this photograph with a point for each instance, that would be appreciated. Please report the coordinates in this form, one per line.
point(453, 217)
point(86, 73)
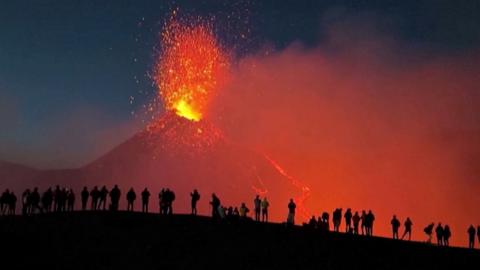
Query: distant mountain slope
point(181, 155)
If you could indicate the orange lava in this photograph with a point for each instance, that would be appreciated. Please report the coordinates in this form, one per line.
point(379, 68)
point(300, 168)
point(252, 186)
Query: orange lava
point(191, 67)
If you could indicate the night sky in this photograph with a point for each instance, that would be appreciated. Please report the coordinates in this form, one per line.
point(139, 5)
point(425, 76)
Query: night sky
point(74, 74)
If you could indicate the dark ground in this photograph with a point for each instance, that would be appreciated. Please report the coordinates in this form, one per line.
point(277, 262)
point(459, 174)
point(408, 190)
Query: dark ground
point(105, 240)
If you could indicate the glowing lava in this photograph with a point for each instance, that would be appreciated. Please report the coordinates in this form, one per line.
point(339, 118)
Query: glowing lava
point(191, 67)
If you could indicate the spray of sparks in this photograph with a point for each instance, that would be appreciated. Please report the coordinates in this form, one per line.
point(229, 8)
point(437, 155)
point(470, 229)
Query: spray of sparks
point(191, 67)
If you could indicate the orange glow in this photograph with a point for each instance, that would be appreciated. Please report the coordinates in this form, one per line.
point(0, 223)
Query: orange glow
point(191, 67)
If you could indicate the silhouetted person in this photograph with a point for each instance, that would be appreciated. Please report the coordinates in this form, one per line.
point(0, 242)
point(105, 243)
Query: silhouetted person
point(439, 233)
point(408, 228)
point(257, 207)
point(478, 234)
point(84, 196)
point(363, 224)
point(63, 199)
point(70, 200)
point(429, 230)
point(131, 197)
point(326, 221)
point(47, 200)
point(57, 197)
point(348, 220)
point(369, 219)
point(471, 236)
point(312, 223)
point(161, 202)
point(291, 212)
point(446, 235)
point(265, 204)
point(337, 219)
point(166, 197)
point(4, 199)
point(244, 211)
point(102, 196)
point(145, 199)
point(115, 195)
point(26, 202)
point(12, 203)
point(35, 201)
point(395, 225)
point(195, 197)
point(356, 222)
point(215, 204)
point(95, 195)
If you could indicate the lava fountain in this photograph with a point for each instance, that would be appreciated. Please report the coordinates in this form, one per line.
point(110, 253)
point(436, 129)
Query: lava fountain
point(190, 69)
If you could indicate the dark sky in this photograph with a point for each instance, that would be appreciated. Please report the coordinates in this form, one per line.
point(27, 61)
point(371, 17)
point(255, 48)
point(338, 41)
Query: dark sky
point(69, 68)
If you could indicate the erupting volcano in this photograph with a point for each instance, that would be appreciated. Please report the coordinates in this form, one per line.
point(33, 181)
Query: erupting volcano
point(182, 150)
point(191, 68)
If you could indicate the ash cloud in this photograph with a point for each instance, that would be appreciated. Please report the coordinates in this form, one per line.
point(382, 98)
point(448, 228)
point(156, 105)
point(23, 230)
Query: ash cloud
point(367, 123)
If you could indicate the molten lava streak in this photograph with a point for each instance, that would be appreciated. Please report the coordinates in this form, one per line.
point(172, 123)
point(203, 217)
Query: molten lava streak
point(190, 69)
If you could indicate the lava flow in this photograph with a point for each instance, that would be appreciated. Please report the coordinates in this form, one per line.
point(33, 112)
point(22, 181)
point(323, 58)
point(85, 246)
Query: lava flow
point(190, 70)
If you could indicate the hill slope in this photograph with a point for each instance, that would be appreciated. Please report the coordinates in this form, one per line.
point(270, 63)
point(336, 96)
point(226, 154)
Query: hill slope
point(105, 240)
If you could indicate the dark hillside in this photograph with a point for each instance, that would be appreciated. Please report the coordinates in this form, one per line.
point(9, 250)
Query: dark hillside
point(105, 240)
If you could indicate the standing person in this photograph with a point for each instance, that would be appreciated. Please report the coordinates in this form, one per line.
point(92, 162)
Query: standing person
point(103, 193)
point(4, 201)
point(161, 201)
point(326, 221)
point(215, 204)
point(256, 203)
point(348, 220)
point(12, 203)
point(446, 235)
point(291, 212)
point(195, 197)
point(439, 233)
point(337, 219)
point(26, 202)
point(35, 201)
point(145, 199)
point(47, 200)
point(478, 234)
point(408, 229)
point(115, 195)
point(84, 196)
point(265, 204)
point(356, 222)
point(70, 200)
point(95, 195)
point(471, 236)
point(395, 225)
point(370, 218)
point(131, 197)
point(170, 197)
point(363, 219)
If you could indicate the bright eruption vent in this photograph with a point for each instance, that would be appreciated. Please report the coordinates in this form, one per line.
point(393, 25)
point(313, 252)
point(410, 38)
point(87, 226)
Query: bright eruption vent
point(190, 69)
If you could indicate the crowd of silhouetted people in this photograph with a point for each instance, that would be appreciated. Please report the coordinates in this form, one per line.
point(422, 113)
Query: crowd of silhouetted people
point(63, 199)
